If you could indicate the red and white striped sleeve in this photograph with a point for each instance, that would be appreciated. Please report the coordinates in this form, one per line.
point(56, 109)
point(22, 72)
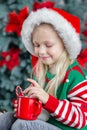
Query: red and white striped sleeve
point(73, 110)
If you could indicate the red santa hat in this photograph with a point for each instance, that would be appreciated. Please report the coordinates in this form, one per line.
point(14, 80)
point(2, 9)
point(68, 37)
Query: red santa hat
point(67, 26)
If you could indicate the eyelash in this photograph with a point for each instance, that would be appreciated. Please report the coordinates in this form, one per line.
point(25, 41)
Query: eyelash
point(49, 45)
point(46, 45)
point(36, 45)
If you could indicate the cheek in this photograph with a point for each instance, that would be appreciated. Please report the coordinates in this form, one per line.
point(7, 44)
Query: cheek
point(35, 50)
point(55, 51)
point(59, 49)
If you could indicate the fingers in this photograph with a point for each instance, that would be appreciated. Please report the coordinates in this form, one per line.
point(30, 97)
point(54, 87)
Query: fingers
point(15, 112)
point(26, 90)
point(15, 108)
point(32, 91)
point(15, 115)
point(32, 81)
point(33, 84)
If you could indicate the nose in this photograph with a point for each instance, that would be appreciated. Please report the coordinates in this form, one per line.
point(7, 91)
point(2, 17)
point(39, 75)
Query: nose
point(42, 50)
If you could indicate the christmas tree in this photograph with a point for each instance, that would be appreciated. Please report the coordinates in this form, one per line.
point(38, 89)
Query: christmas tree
point(15, 61)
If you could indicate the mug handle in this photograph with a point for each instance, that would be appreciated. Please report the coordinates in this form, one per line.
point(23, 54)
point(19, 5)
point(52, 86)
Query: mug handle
point(38, 109)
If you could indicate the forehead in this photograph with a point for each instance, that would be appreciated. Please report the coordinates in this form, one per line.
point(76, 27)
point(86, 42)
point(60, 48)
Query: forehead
point(44, 30)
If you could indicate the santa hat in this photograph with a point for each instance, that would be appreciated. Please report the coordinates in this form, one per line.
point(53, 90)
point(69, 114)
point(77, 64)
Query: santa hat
point(67, 26)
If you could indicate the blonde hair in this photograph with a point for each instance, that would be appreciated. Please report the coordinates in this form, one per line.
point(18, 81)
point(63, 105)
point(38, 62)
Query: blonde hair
point(61, 67)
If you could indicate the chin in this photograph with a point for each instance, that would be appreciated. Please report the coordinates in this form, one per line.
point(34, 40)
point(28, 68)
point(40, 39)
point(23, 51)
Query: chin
point(46, 63)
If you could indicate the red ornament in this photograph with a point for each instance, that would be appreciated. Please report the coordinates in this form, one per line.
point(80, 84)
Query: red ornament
point(82, 58)
point(34, 60)
point(10, 58)
point(85, 32)
point(85, 41)
point(16, 21)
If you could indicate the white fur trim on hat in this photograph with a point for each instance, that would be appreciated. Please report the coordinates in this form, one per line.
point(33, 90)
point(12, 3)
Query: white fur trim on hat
point(64, 28)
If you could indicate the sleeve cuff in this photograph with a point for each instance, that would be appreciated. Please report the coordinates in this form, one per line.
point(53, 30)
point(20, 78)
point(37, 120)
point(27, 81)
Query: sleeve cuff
point(51, 104)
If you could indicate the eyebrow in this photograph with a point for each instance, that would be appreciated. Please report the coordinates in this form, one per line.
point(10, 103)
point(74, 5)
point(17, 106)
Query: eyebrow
point(46, 42)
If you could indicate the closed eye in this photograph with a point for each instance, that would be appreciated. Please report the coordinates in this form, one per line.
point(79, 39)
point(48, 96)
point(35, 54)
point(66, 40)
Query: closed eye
point(49, 45)
point(36, 45)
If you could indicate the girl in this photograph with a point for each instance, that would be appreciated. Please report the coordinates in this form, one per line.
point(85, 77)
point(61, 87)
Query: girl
point(52, 35)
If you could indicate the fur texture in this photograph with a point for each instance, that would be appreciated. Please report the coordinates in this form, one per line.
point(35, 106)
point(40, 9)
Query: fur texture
point(64, 28)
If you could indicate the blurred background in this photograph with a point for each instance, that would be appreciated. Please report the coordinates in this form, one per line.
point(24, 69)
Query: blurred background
point(15, 61)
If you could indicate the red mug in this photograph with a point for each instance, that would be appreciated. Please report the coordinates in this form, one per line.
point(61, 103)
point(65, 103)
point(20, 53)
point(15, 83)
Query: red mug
point(28, 108)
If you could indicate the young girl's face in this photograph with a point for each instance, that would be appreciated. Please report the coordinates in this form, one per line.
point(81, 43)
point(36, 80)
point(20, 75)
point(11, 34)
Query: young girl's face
point(48, 46)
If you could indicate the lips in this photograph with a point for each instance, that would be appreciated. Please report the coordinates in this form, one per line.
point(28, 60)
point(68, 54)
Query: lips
point(44, 58)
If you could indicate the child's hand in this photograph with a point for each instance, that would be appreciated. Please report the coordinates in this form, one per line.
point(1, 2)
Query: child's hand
point(15, 108)
point(35, 91)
